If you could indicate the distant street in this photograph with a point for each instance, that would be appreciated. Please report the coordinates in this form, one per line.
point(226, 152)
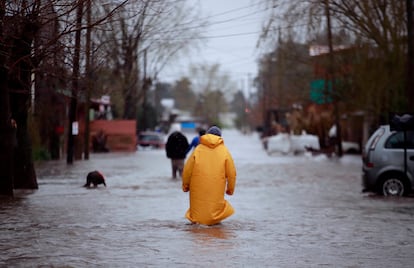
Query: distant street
point(291, 211)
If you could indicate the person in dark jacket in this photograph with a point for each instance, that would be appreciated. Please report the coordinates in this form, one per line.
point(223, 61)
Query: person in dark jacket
point(176, 149)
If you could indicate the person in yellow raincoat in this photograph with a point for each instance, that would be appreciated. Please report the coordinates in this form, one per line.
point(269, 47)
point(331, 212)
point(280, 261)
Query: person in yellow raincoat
point(208, 173)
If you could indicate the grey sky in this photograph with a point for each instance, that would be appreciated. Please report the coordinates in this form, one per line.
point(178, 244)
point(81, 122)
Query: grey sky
point(234, 28)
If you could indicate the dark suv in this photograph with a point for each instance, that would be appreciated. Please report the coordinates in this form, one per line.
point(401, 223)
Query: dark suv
point(388, 162)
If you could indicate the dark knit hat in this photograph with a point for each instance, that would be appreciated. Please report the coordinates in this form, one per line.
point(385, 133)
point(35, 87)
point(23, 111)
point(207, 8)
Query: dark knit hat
point(214, 130)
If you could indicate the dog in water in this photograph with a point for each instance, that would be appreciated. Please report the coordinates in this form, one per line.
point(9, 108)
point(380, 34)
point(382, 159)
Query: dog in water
point(95, 178)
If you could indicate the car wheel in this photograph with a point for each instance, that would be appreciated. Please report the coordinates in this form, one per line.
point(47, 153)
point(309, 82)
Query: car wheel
point(393, 186)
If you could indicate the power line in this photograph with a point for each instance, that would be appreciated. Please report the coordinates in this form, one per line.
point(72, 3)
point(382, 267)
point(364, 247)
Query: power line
point(233, 10)
point(229, 35)
point(212, 23)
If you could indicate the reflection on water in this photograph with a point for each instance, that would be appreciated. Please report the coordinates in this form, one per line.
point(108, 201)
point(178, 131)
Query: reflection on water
point(214, 238)
point(207, 233)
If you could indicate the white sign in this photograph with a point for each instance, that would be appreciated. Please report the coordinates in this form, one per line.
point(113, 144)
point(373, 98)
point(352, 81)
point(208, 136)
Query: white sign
point(75, 128)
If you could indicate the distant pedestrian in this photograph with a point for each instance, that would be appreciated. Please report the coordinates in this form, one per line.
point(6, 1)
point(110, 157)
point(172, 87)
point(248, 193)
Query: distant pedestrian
point(176, 149)
point(196, 140)
point(208, 174)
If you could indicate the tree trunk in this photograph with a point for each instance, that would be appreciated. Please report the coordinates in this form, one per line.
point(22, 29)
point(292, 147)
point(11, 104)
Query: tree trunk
point(410, 57)
point(19, 81)
point(24, 172)
point(6, 142)
point(6, 135)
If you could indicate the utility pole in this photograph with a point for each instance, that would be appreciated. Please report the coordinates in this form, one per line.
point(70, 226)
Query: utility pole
point(145, 86)
point(280, 69)
point(75, 85)
point(410, 58)
point(331, 78)
point(88, 77)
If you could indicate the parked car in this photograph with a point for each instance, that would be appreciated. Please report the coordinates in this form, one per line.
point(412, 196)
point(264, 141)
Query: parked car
point(151, 139)
point(386, 169)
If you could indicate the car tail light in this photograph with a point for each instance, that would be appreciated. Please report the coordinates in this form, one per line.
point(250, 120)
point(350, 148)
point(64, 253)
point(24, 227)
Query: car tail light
point(366, 162)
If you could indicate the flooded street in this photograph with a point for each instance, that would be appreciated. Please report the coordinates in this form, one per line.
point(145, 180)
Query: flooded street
point(291, 211)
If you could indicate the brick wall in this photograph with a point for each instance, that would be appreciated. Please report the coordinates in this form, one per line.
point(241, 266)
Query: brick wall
point(121, 134)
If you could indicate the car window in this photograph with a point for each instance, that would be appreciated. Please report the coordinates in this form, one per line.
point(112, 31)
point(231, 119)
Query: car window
point(396, 140)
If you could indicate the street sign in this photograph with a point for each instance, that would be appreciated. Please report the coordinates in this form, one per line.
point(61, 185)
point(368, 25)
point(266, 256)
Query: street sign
point(319, 93)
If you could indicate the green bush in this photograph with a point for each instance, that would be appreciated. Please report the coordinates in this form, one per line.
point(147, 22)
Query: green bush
point(40, 153)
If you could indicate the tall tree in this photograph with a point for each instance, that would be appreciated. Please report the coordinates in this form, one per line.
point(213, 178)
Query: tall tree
point(378, 30)
point(410, 56)
point(381, 26)
point(29, 36)
point(19, 64)
point(215, 90)
point(6, 126)
point(184, 96)
point(160, 30)
point(240, 107)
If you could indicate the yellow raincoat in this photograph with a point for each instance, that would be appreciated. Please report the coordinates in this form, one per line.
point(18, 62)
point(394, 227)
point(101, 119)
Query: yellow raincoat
point(209, 172)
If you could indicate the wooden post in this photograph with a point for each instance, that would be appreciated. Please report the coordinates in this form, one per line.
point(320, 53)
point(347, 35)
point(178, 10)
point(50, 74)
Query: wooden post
point(88, 78)
point(410, 58)
point(331, 76)
point(75, 84)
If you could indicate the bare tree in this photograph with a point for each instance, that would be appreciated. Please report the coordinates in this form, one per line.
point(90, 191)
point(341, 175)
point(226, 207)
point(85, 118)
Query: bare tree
point(6, 126)
point(377, 30)
point(380, 28)
point(214, 89)
point(19, 27)
point(184, 95)
point(32, 35)
point(141, 39)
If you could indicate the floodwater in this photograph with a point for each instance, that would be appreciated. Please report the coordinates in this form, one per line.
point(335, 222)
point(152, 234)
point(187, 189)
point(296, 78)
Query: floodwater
point(291, 211)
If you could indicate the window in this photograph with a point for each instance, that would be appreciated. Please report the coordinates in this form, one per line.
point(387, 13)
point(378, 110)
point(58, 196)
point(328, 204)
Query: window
point(396, 140)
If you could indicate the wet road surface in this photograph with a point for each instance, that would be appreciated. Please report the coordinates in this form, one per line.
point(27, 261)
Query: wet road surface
point(291, 211)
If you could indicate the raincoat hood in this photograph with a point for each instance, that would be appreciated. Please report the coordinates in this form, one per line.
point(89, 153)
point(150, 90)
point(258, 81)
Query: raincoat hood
point(211, 140)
